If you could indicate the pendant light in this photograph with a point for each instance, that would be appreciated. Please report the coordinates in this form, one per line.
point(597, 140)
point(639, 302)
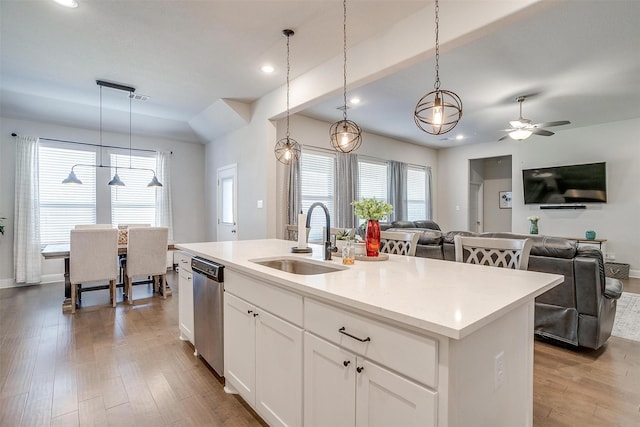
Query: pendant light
point(440, 110)
point(115, 181)
point(345, 136)
point(287, 149)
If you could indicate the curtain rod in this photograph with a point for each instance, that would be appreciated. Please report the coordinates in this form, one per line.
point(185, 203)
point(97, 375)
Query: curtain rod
point(95, 145)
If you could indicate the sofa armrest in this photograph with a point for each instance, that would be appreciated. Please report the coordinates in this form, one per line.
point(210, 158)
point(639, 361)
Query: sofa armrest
point(612, 288)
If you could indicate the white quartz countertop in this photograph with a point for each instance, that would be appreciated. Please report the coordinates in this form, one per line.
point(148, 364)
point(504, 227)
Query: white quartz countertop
point(443, 297)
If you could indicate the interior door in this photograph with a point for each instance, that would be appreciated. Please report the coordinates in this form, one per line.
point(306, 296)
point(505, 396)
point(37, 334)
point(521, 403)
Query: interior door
point(227, 203)
point(476, 207)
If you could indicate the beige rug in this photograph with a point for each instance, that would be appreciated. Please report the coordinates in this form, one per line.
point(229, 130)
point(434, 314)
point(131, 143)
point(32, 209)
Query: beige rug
point(627, 321)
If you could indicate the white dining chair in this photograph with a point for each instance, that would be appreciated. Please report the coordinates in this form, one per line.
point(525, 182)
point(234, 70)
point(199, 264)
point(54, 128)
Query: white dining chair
point(92, 226)
point(399, 243)
point(146, 256)
point(506, 253)
point(93, 256)
point(291, 232)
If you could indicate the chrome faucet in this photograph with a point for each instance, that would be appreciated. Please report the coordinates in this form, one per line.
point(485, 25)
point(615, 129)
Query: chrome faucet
point(328, 247)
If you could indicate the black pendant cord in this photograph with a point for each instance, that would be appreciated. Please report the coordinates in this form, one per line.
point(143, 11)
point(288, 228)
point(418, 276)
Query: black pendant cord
point(436, 85)
point(100, 126)
point(288, 34)
point(130, 100)
point(344, 50)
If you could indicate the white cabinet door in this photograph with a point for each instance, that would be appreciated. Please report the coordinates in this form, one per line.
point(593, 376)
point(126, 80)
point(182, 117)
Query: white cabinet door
point(329, 384)
point(387, 399)
point(278, 370)
point(240, 346)
point(185, 305)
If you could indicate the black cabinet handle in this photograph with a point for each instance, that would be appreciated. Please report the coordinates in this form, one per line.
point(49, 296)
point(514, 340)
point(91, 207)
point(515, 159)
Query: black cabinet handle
point(344, 332)
point(360, 369)
point(255, 314)
point(249, 311)
point(346, 363)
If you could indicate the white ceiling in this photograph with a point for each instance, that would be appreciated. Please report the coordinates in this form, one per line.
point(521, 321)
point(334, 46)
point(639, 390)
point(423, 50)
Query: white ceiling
point(579, 58)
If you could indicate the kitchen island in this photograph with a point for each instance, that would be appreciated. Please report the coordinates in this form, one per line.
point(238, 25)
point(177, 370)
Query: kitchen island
point(408, 341)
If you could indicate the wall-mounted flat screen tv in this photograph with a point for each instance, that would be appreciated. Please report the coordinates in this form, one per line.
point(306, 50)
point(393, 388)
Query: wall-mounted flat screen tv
point(585, 183)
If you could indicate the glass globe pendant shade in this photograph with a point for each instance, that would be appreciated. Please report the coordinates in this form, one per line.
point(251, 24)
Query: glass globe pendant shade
point(345, 136)
point(438, 112)
point(72, 179)
point(287, 150)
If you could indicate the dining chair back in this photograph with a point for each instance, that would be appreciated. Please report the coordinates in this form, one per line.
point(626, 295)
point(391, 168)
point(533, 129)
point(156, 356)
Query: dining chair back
point(291, 232)
point(92, 226)
point(93, 256)
point(146, 256)
point(506, 253)
point(399, 243)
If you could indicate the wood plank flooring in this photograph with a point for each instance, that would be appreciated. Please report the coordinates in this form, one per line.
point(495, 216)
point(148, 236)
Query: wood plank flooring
point(127, 367)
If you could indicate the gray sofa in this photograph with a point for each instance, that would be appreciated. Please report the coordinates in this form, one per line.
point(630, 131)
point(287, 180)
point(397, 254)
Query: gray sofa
point(580, 311)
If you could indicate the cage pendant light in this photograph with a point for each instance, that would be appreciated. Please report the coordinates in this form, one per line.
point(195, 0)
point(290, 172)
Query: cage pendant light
point(287, 149)
point(345, 136)
point(440, 110)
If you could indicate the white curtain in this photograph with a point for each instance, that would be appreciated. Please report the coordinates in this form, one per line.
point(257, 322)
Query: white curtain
point(26, 246)
point(164, 211)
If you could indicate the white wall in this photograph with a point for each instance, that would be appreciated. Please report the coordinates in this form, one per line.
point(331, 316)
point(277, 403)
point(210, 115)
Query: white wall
point(311, 133)
point(615, 143)
point(497, 178)
point(187, 174)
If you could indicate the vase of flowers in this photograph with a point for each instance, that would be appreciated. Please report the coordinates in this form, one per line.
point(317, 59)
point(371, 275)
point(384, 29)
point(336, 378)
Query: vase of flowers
point(533, 224)
point(373, 211)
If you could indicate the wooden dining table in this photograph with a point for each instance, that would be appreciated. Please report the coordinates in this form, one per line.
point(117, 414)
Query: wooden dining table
point(62, 251)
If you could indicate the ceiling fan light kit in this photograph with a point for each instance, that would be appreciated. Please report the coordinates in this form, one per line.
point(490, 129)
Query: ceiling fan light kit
point(440, 110)
point(345, 136)
point(522, 128)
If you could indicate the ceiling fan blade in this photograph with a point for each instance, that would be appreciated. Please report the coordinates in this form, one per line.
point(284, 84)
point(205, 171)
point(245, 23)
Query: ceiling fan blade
point(549, 124)
point(541, 132)
point(504, 137)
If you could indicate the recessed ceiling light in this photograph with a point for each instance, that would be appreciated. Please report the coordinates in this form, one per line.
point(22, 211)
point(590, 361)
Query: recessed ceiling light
point(67, 3)
point(267, 69)
point(355, 100)
point(460, 137)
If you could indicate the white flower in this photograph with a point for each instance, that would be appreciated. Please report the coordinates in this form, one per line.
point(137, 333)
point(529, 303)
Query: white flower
point(533, 218)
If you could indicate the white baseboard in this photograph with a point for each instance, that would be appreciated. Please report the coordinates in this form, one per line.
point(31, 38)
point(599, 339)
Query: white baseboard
point(47, 278)
point(634, 273)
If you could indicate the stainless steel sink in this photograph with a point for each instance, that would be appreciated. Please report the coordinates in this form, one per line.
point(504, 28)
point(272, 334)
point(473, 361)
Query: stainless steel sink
point(298, 266)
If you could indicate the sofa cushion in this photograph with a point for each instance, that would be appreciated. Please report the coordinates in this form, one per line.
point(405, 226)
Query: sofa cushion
point(427, 224)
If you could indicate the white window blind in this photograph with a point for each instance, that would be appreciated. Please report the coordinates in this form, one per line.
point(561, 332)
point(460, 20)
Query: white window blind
point(372, 181)
point(63, 206)
point(416, 194)
point(317, 176)
point(135, 203)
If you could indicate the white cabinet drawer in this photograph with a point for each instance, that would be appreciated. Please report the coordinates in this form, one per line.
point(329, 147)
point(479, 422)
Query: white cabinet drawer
point(413, 355)
point(183, 260)
point(280, 302)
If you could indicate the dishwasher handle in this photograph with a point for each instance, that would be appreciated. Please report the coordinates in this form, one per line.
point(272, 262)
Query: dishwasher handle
point(207, 268)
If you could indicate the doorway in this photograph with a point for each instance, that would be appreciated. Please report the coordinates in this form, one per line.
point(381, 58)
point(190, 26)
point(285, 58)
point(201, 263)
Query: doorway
point(489, 179)
point(227, 203)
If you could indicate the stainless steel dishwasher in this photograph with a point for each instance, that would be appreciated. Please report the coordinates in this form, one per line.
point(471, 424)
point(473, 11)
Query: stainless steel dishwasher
point(208, 291)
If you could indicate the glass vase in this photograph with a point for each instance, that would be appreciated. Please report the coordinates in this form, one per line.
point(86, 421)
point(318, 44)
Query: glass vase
point(533, 226)
point(372, 239)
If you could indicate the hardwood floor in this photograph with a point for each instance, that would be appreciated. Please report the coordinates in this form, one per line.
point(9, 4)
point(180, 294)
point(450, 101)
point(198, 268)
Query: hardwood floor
point(127, 367)
point(105, 366)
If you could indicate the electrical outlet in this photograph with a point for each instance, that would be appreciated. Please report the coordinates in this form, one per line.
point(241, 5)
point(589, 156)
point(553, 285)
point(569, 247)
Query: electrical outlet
point(498, 371)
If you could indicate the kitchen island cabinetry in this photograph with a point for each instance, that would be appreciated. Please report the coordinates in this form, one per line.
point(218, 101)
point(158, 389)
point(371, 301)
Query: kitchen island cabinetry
point(408, 341)
point(263, 352)
point(185, 296)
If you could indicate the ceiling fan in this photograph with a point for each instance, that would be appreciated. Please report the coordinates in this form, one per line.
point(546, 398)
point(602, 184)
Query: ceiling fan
point(522, 128)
